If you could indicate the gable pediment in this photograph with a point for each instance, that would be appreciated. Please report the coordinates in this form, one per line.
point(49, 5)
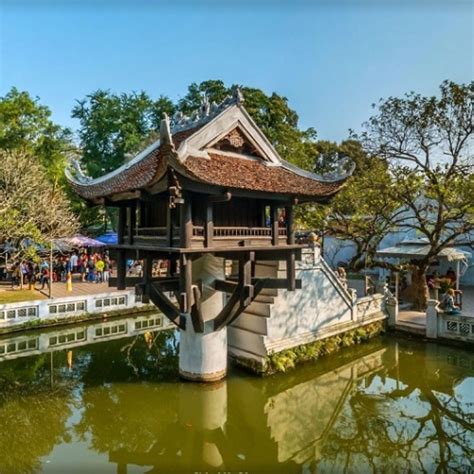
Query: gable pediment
point(236, 142)
point(233, 131)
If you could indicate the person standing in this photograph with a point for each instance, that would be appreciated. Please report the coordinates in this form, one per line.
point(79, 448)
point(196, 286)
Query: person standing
point(45, 277)
point(99, 269)
point(90, 270)
point(107, 268)
point(74, 262)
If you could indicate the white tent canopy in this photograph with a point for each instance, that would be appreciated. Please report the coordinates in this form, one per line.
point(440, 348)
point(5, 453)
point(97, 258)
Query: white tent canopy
point(411, 251)
point(414, 249)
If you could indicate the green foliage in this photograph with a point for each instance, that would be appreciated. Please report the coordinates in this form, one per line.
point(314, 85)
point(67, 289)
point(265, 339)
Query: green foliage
point(287, 359)
point(31, 207)
point(428, 143)
point(26, 124)
point(113, 126)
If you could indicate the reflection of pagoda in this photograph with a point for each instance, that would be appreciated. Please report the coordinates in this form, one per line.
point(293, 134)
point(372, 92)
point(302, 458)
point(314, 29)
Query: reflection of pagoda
point(280, 426)
point(212, 188)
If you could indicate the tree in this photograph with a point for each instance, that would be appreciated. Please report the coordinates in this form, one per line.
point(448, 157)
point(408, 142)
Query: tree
point(31, 208)
point(364, 211)
point(427, 141)
point(113, 126)
point(271, 113)
point(25, 124)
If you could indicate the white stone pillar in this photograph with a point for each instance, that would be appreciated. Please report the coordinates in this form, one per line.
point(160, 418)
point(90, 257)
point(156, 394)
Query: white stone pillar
point(432, 319)
point(203, 356)
point(392, 309)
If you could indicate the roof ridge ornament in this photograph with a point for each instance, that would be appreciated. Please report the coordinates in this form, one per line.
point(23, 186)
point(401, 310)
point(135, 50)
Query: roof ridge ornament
point(206, 112)
point(165, 131)
point(75, 171)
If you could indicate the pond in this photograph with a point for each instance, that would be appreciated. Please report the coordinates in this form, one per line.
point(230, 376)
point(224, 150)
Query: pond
point(113, 403)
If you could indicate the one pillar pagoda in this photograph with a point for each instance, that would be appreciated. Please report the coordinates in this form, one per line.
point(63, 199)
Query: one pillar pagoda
point(211, 190)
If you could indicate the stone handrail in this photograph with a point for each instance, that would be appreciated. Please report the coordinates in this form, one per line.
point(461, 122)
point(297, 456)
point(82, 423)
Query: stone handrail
point(440, 324)
point(314, 258)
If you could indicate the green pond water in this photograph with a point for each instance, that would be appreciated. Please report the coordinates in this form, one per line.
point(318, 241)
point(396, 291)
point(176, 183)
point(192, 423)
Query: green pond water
point(105, 397)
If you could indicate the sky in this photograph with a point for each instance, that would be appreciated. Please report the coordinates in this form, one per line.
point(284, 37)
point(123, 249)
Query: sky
point(331, 59)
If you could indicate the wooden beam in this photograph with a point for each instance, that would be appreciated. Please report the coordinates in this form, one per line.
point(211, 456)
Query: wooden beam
point(230, 309)
point(185, 284)
point(229, 285)
point(166, 306)
point(291, 271)
point(196, 313)
point(222, 198)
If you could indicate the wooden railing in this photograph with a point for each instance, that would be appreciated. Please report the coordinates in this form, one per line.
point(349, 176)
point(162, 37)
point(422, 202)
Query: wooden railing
point(231, 232)
point(151, 231)
point(224, 233)
point(198, 231)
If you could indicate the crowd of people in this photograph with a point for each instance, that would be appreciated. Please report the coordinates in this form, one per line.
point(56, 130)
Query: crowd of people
point(92, 267)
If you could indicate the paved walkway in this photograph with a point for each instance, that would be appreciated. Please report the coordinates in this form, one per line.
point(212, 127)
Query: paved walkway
point(59, 289)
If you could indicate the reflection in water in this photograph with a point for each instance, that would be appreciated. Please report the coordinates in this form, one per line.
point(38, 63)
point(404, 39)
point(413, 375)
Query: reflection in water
point(388, 406)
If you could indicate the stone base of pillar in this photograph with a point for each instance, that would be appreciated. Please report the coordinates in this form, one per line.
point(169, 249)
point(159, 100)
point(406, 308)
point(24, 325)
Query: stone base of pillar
point(203, 356)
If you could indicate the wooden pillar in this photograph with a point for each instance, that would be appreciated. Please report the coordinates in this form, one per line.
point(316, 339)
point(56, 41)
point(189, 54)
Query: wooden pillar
point(397, 279)
point(291, 271)
point(121, 269)
point(185, 284)
point(290, 234)
point(186, 223)
point(169, 227)
point(122, 217)
point(132, 221)
point(274, 223)
point(209, 224)
point(245, 275)
point(147, 276)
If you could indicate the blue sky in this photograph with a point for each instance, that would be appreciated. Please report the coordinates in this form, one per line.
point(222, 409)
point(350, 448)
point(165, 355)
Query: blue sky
point(332, 60)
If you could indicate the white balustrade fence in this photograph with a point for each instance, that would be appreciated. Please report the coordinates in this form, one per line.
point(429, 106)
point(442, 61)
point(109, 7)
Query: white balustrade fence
point(18, 313)
point(448, 326)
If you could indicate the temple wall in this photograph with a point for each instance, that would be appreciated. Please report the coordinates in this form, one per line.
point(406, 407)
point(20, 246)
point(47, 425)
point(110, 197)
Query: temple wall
point(279, 319)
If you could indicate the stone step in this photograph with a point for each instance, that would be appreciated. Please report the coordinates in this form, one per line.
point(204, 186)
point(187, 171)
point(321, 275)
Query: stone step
point(265, 299)
point(252, 322)
point(259, 309)
point(246, 340)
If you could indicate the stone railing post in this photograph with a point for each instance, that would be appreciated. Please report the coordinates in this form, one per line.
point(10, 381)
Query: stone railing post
point(432, 319)
point(391, 305)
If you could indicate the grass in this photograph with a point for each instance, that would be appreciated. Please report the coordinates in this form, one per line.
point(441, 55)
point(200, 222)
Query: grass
point(16, 296)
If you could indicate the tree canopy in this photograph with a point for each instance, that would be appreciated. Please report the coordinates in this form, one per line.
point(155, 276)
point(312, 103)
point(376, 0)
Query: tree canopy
point(113, 126)
point(31, 208)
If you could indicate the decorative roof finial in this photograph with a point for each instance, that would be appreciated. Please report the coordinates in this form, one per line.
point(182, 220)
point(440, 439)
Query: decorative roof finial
point(165, 132)
point(205, 105)
point(74, 169)
point(237, 95)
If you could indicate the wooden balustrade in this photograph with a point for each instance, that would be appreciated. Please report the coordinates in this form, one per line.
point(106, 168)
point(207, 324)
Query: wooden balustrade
point(242, 232)
point(147, 234)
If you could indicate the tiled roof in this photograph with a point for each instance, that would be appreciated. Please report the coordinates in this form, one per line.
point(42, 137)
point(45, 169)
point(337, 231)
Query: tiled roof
point(241, 173)
point(136, 176)
point(220, 170)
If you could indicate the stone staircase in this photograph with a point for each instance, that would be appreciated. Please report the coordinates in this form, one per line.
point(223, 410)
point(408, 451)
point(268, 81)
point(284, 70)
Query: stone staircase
point(279, 319)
